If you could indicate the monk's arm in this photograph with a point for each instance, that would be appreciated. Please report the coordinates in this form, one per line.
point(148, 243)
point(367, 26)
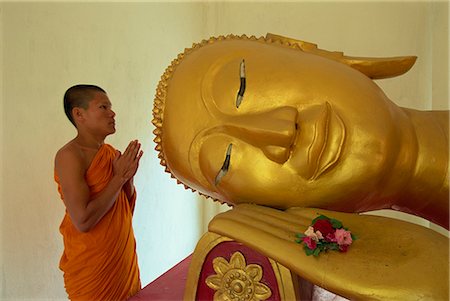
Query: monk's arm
point(84, 212)
point(129, 189)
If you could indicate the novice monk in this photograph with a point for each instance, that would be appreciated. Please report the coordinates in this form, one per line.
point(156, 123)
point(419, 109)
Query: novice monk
point(96, 184)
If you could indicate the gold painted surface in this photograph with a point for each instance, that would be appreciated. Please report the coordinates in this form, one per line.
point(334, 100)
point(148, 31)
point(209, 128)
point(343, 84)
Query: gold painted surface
point(235, 280)
point(390, 260)
point(287, 283)
point(310, 132)
point(375, 68)
point(312, 129)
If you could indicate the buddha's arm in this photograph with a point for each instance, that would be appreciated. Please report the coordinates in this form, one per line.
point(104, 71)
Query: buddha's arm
point(390, 260)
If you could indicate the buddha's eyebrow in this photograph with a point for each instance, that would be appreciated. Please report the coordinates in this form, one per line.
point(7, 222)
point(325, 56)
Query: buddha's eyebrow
point(240, 94)
point(225, 166)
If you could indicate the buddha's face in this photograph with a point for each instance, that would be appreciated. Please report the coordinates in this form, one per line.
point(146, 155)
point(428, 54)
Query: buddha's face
point(309, 131)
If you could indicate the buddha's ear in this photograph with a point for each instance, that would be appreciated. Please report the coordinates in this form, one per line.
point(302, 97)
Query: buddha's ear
point(375, 68)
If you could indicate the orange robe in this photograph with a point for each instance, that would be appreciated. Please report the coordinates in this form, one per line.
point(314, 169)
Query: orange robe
point(101, 264)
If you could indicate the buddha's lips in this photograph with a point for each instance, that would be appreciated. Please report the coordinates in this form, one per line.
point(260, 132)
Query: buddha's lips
point(325, 146)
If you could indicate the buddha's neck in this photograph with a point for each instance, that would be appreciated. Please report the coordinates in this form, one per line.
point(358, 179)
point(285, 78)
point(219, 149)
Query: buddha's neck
point(427, 192)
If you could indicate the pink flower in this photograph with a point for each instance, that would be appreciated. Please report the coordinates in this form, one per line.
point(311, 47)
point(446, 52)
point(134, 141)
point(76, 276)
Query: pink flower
point(311, 243)
point(324, 234)
point(343, 237)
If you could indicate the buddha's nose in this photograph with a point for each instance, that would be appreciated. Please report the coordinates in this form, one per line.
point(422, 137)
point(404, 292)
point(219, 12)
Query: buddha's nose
point(272, 131)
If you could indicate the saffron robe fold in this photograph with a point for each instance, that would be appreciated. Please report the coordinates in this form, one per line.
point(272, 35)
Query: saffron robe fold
point(101, 264)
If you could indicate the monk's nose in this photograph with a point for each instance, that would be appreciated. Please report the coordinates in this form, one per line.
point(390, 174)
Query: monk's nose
point(272, 131)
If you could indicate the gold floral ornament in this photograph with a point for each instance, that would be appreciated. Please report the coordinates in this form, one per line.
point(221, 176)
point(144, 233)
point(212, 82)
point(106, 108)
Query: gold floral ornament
point(237, 281)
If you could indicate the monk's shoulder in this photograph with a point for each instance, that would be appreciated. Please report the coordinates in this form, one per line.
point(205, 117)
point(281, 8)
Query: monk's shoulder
point(70, 154)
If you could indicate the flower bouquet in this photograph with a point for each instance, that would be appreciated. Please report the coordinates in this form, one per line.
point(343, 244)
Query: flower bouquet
point(325, 234)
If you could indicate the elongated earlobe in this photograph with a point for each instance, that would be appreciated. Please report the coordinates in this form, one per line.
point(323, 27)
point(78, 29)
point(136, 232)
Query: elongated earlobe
point(374, 68)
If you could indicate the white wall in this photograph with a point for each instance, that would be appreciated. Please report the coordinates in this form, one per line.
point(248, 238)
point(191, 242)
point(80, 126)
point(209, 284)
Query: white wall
point(438, 30)
point(125, 48)
point(2, 118)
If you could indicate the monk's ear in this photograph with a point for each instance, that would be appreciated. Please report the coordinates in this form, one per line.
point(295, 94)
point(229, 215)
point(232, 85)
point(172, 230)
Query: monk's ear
point(77, 114)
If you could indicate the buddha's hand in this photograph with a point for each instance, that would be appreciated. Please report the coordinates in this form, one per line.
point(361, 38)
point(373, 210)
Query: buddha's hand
point(389, 260)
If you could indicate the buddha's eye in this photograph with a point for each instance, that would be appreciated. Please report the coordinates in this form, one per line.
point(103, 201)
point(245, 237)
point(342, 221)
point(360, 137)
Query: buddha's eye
point(226, 165)
point(240, 95)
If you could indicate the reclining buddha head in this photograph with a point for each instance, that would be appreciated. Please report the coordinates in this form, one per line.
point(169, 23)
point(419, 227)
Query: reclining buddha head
point(276, 122)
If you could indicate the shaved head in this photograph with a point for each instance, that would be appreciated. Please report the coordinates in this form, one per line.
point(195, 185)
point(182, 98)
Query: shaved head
point(79, 96)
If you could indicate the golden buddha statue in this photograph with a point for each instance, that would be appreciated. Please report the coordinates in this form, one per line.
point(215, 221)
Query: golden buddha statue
point(279, 123)
point(309, 131)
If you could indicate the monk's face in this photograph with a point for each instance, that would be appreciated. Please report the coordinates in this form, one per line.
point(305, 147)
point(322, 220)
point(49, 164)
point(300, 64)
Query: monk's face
point(308, 132)
point(98, 117)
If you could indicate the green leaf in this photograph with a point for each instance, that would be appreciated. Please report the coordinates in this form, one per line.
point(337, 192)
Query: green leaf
point(308, 251)
point(316, 252)
point(321, 243)
point(319, 217)
point(335, 223)
point(333, 246)
point(299, 235)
